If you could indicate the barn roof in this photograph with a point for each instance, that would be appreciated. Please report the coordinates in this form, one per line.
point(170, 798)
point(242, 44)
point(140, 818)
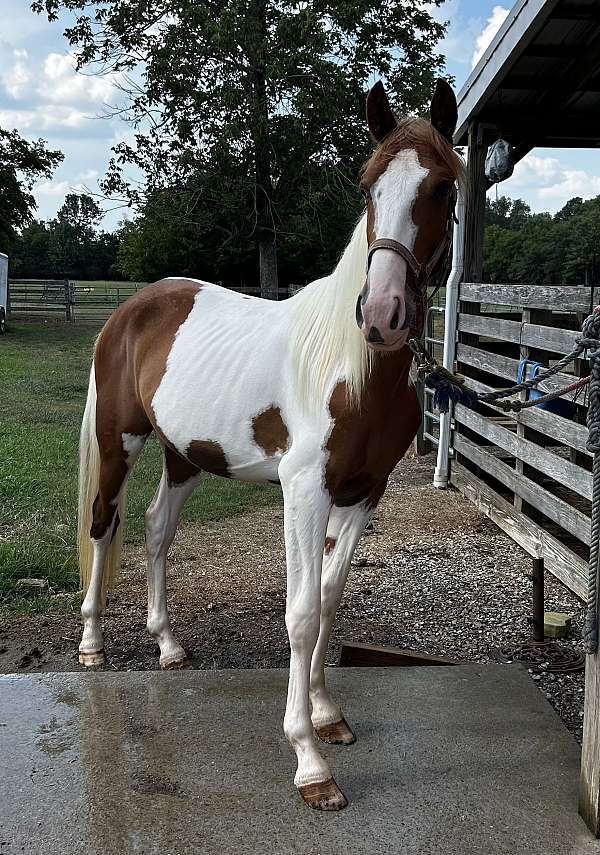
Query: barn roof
point(538, 82)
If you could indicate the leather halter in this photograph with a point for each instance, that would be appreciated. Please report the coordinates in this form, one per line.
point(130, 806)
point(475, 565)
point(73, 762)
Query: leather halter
point(422, 273)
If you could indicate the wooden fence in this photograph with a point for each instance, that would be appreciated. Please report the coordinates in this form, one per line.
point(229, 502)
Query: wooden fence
point(530, 472)
point(41, 298)
point(78, 301)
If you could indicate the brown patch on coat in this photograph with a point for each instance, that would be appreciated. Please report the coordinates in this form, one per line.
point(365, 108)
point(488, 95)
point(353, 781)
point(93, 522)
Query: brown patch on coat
point(330, 542)
point(366, 442)
point(179, 470)
point(209, 456)
point(130, 360)
point(270, 431)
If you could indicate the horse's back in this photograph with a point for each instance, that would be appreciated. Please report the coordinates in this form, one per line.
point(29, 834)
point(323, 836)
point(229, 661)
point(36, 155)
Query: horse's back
point(208, 366)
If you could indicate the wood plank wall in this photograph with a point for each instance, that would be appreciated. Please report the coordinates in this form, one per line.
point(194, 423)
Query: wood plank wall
point(530, 471)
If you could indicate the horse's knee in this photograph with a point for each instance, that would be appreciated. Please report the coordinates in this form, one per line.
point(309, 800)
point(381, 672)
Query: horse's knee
point(303, 628)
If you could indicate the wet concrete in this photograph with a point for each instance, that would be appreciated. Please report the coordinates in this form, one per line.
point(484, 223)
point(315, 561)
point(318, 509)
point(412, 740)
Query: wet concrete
point(449, 761)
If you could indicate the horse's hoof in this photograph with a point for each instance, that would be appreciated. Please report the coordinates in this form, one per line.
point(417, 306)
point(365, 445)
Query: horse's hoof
point(89, 658)
point(176, 664)
point(336, 733)
point(326, 795)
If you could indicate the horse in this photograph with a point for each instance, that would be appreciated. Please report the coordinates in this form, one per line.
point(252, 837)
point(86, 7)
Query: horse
point(312, 392)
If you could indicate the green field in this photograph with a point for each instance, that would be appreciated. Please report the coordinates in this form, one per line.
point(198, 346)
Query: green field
point(44, 370)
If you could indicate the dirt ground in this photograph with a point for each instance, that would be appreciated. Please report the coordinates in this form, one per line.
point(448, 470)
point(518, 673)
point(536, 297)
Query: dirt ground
point(430, 573)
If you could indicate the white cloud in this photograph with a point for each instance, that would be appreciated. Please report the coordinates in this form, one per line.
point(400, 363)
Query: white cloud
point(533, 170)
point(52, 188)
point(494, 22)
point(547, 183)
point(460, 33)
point(46, 118)
point(573, 182)
point(17, 77)
point(61, 83)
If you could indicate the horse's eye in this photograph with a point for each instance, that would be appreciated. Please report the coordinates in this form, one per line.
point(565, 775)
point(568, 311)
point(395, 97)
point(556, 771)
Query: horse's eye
point(442, 189)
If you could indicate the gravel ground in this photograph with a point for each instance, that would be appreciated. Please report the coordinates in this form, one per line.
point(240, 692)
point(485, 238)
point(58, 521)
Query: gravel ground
point(430, 573)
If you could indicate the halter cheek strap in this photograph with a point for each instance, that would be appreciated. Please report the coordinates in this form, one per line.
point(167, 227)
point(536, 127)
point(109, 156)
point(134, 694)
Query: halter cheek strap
point(422, 273)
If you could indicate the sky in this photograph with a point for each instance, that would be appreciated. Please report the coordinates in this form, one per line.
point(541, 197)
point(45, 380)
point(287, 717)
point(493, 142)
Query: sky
point(41, 95)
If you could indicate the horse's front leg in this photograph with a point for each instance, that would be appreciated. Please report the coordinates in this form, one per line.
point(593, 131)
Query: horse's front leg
point(306, 510)
point(344, 530)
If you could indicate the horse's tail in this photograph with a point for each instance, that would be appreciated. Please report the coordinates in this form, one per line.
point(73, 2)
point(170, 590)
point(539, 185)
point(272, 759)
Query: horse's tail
point(89, 476)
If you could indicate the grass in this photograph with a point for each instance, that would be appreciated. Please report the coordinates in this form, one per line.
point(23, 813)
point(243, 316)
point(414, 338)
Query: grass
point(44, 371)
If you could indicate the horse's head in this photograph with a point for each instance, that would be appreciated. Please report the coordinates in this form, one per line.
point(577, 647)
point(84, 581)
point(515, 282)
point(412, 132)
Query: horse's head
point(409, 186)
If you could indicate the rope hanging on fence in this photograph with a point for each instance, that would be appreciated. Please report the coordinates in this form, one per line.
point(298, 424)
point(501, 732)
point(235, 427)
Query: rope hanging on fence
point(449, 387)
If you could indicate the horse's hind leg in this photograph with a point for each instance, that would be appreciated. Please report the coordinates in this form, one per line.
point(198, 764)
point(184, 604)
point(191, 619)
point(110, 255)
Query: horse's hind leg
point(178, 480)
point(117, 457)
point(344, 529)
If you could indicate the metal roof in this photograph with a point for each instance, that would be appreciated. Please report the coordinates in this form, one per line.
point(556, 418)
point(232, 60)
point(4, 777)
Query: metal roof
point(538, 82)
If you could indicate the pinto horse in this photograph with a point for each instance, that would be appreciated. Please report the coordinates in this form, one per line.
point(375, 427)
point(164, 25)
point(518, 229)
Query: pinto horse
point(313, 392)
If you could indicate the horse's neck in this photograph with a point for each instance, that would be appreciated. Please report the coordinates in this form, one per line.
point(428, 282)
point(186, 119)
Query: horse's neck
point(389, 378)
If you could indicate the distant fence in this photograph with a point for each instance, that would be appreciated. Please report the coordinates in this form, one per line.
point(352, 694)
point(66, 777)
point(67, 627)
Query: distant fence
point(41, 298)
point(96, 301)
point(81, 302)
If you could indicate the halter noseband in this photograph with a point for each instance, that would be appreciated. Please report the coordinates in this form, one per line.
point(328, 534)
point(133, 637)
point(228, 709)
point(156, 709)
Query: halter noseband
point(422, 273)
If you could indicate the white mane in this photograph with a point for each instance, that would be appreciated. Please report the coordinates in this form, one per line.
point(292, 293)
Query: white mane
point(326, 341)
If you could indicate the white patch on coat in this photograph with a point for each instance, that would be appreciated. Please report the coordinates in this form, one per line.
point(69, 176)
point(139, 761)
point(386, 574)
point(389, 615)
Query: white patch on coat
point(230, 361)
point(394, 195)
point(132, 446)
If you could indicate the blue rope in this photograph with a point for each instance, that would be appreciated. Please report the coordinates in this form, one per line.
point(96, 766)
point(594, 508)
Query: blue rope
point(446, 392)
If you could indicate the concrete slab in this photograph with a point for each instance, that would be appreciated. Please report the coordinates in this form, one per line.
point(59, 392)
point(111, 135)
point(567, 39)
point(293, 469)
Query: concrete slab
point(449, 761)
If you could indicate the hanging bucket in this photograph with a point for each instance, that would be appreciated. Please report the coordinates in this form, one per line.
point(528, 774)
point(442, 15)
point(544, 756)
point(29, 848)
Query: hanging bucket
point(560, 406)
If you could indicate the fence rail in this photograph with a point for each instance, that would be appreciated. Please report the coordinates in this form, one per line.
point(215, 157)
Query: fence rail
point(41, 298)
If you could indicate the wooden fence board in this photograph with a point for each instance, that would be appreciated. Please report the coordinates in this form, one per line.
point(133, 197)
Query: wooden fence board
point(568, 567)
point(527, 335)
point(556, 509)
point(563, 471)
point(553, 297)
point(565, 431)
point(506, 367)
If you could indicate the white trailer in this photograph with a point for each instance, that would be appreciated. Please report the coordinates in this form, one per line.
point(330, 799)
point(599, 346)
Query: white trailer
point(3, 291)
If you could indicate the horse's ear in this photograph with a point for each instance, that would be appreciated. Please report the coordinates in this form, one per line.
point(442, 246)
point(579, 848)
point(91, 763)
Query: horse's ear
point(443, 111)
point(380, 118)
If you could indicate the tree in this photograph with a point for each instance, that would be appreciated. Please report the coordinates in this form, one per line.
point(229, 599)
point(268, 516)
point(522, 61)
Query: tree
point(73, 236)
point(30, 253)
point(273, 87)
point(506, 213)
point(581, 224)
point(22, 163)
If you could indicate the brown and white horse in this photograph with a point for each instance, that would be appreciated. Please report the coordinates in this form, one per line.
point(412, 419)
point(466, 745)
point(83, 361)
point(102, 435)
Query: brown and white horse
point(312, 392)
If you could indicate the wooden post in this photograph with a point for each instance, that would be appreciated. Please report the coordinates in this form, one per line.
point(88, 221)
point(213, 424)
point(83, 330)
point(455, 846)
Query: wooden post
point(68, 301)
point(475, 211)
point(589, 786)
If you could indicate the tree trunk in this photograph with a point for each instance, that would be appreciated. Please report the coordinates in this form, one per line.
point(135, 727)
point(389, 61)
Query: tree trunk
point(267, 254)
point(265, 227)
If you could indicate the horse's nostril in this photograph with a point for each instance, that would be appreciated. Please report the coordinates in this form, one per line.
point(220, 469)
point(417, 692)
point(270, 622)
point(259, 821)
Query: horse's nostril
point(395, 320)
point(375, 336)
point(359, 315)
